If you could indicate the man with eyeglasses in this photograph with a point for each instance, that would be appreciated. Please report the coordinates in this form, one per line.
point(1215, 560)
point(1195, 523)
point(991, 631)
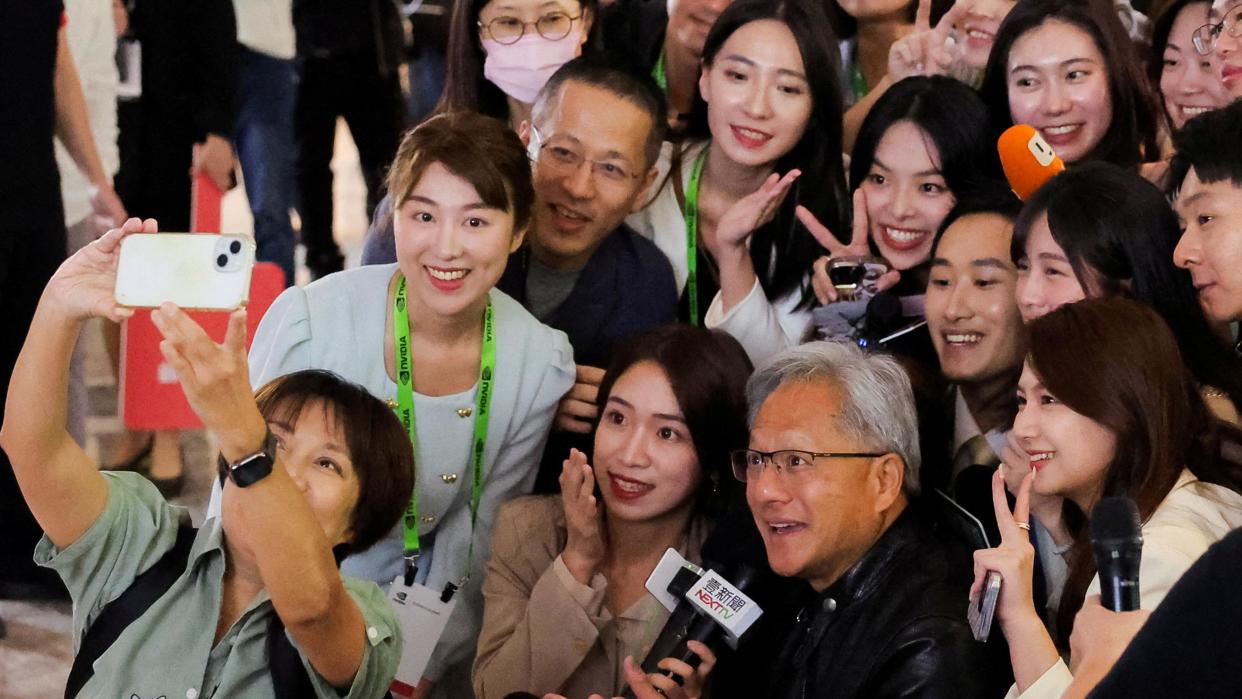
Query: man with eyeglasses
point(832, 483)
point(593, 140)
point(1222, 36)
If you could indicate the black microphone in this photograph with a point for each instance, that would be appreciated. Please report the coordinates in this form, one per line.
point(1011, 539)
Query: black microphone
point(1117, 539)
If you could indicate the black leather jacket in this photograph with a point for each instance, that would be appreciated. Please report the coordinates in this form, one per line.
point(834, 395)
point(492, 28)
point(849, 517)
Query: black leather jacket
point(895, 624)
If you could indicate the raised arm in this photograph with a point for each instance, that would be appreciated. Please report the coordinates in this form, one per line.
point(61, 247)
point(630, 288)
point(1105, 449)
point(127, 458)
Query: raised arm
point(61, 484)
point(271, 519)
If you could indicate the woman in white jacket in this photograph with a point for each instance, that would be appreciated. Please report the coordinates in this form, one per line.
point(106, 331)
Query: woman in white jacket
point(1106, 408)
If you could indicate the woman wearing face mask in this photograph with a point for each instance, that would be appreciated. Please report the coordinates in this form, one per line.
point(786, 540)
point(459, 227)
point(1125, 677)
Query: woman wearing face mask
point(768, 110)
point(1098, 230)
point(565, 595)
point(1106, 409)
point(501, 52)
point(1067, 68)
point(464, 365)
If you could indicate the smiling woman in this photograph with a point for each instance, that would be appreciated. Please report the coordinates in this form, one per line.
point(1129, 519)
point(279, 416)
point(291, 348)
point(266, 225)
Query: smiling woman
point(1068, 68)
point(1106, 409)
point(474, 377)
point(767, 105)
point(565, 594)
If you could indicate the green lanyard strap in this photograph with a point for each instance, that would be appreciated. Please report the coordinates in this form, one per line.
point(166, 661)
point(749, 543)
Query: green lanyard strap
point(660, 74)
point(858, 83)
point(405, 411)
point(692, 236)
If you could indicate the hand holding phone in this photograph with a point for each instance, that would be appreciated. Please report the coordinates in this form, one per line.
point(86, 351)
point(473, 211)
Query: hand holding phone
point(191, 270)
point(983, 607)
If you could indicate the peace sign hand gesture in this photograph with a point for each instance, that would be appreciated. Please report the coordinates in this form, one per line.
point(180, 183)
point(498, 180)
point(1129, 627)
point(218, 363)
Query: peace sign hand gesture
point(1014, 558)
point(858, 246)
point(927, 50)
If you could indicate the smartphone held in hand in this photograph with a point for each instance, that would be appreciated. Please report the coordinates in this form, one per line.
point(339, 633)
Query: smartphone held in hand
point(192, 270)
point(983, 607)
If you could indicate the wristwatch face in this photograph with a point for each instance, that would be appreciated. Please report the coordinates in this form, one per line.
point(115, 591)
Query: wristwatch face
point(251, 469)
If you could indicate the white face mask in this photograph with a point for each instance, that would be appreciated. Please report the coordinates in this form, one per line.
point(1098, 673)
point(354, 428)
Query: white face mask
point(522, 68)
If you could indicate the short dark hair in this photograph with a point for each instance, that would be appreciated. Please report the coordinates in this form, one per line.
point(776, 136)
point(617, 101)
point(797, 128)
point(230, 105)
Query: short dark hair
point(465, 88)
point(1118, 231)
point(639, 90)
point(479, 149)
point(987, 200)
point(707, 370)
point(1131, 136)
point(378, 445)
point(1211, 143)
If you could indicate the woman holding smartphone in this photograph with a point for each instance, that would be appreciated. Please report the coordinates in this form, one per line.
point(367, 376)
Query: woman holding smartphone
point(1106, 408)
point(312, 467)
point(474, 377)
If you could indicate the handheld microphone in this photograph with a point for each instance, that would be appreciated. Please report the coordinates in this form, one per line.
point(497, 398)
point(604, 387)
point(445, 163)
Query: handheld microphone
point(1118, 542)
point(1027, 159)
point(709, 607)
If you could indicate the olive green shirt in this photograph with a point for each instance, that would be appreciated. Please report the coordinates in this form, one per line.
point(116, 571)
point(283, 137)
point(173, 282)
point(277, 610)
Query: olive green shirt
point(167, 652)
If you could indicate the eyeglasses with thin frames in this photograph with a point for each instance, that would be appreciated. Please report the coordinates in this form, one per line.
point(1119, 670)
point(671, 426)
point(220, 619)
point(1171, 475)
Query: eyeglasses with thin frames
point(1205, 37)
point(562, 159)
point(793, 464)
point(506, 29)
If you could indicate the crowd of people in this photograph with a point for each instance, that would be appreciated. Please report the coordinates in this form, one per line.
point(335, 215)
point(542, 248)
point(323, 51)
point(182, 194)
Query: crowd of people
point(740, 280)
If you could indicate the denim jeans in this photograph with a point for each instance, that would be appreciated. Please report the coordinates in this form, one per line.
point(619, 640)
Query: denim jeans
point(264, 138)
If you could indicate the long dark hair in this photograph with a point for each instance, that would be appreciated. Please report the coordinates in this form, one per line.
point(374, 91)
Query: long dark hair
point(1116, 362)
point(1118, 233)
point(1161, 26)
point(465, 88)
point(707, 370)
point(1132, 134)
point(954, 120)
point(782, 250)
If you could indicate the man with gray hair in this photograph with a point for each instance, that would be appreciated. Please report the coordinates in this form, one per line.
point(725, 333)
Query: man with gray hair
point(832, 481)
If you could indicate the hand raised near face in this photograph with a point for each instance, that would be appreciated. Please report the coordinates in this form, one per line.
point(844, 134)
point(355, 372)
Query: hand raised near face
point(927, 50)
point(584, 546)
point(858, 245)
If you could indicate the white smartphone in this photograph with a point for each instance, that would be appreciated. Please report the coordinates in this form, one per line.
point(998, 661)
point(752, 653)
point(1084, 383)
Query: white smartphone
point(193, 270)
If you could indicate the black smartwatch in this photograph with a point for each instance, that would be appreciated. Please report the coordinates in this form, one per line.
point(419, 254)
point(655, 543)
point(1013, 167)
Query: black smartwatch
point(252, 468)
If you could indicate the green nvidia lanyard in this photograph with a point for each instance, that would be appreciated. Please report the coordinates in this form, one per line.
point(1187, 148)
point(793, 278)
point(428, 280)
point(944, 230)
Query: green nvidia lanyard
point(858, 83)
point(405, 411)
point(660, 74)
point(692, 235)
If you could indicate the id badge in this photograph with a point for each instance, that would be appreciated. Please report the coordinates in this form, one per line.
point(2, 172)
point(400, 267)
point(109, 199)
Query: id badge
point(422, 617)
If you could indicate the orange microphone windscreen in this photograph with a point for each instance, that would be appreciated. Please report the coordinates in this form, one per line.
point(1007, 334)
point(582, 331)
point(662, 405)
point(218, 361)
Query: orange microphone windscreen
point(1027, 159)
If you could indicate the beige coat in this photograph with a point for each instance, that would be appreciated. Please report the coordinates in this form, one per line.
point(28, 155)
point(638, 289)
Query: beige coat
point(543, 631)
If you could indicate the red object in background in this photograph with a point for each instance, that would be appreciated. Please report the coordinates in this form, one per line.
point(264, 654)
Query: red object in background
point(151, 398)
point(205, 199)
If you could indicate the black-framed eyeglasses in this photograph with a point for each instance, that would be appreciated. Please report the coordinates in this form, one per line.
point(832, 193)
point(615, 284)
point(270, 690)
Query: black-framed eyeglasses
point(1204, 38)
point(563, 159)
point(791, 463)
point(553, 26)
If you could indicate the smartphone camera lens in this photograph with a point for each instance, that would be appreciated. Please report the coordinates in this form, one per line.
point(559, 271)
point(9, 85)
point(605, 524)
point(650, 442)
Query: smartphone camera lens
point(235, 247)
point(222, 260)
